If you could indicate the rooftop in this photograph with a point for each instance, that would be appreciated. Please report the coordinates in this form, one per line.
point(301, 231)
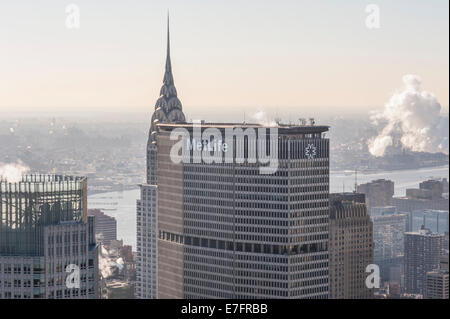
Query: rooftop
point(282, 128)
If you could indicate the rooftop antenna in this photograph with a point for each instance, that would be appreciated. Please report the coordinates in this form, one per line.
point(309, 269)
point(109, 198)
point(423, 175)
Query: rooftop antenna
point(356, 179)
point(343, 186)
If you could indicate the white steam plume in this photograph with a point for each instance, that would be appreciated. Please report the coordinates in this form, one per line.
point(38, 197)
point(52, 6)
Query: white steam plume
point(12, 172)
point(262, 119)
point(108, 263)
point(105, 263)
point(414, 119)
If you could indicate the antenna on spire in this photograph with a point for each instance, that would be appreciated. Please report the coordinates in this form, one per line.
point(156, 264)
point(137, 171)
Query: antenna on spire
point(168, 64)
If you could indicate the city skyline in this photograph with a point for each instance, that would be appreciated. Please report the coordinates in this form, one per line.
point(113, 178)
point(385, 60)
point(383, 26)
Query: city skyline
point(294, 151)
point(107, 65)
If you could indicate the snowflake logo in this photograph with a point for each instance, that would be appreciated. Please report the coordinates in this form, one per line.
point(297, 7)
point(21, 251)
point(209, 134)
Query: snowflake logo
point(310, 151)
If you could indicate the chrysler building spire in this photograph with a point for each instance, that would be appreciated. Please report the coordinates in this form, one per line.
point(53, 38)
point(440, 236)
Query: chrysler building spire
point(168, 77)
point(168, 109)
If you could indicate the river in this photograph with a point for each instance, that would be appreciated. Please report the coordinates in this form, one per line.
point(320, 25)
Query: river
point(122, 205)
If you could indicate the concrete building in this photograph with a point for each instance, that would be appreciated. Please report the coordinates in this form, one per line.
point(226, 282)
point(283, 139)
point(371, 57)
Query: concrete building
point(422, 254)
point(350, 247)
point(147, 243)
point(388, 236)
point(437, 281)
point(228, 231)
point(168, 109)
point(378, 193)
point(105, 226)
point(429, 195)
point(44, 231)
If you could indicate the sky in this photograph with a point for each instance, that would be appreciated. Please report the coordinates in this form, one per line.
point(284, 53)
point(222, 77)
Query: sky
point(229, 57)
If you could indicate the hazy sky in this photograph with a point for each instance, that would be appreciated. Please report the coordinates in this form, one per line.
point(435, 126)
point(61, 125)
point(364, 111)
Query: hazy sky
point(279, 56)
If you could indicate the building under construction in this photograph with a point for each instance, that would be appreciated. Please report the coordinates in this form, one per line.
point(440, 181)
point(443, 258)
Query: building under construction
point(44, 228)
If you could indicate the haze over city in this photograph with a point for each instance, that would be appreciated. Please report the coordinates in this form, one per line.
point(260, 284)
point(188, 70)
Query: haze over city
point(284, 58)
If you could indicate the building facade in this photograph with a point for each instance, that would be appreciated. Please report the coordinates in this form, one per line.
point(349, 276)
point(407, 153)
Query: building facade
point(228, 231)
point(105, 226)
point(437, 281)
point(388, 236)
point(434, 220)
point(350, 246)
point(423, 250)
point(429, 195)
point(44, 233)
point(378, 193)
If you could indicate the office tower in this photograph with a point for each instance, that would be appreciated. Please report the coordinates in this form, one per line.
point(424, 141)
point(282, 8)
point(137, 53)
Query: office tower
point(168, 109)
point(422, 254)
point(105, 226)
point(228, 231)
point(44, 231)
point(434, 220)
point(378, 193)
point(429, 195)
point(350, 247)
point(388, 237)
point(437, 281)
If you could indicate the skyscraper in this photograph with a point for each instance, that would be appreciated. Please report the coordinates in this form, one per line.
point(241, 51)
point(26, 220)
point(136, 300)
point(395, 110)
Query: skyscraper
point(228, 231)
point(422, 254)
point(437, 281)
point(105, 226)
point(168, 109)
point(351, 246)
point(44, 231)
point(388, 237)
point(378, 193)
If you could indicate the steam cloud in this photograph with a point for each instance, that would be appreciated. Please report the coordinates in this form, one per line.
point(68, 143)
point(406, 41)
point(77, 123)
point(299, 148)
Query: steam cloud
point(414, 119)
point(107, 262)
point(262, 119)
point(12, 172)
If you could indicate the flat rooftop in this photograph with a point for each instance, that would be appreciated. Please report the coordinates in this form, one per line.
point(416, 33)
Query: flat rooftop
point(282, 128)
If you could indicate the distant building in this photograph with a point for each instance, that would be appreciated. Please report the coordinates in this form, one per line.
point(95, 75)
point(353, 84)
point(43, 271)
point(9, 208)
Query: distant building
point(350, 247)
point(422, 254)
point(388, 235)
point(429, 195)
point(105, 226)
point(378, 192)
point(45, 230)
point(437, 281)
point(433, 189)
point(434, 220)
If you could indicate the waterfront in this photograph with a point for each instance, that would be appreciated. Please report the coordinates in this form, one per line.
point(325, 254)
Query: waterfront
point(122, 205)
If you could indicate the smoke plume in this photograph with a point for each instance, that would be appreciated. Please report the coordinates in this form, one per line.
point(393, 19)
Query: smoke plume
point(413, 119)
point(12, 172)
